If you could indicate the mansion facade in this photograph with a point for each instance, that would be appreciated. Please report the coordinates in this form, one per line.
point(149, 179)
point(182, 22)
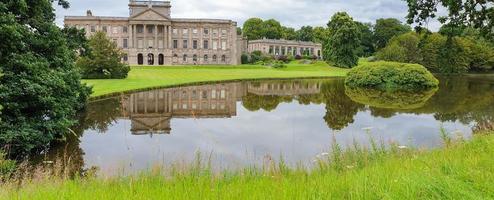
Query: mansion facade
point(286, 47)
point(149, 36)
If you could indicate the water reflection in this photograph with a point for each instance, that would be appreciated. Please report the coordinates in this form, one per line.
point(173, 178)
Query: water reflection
point(243, 121)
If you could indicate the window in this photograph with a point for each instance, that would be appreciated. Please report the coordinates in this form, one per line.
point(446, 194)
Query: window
point(185, 58)
point(223, 45)
point(205, 58)
point(160, 44)
point(125, 58)
point(115, 30)
point(185, 31)
point(185, 44)
point(175, 31)
point(223, 32)
point(140, 29)
point(140, 44)
point(140, 59)
point(194, 58)
point(150, 29)
point(160, 29)
point(105, 29)
point(206, 44)
point(150, 59)
point(194, 31)
point(206, 31)
point(161, 59)
point(223, 58)
point(175, 44)
point(93, 29)
point(194, 44)
point(215, 45)
point(271, 49)
point(215, 32)
point(150, 43)
point(125, 43)
point(124, 29)
point(215, 58)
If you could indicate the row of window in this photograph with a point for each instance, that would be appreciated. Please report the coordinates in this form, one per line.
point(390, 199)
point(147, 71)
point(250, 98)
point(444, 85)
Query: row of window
point(205, 44)
point(161, 58)
point(151, 29)
point(294, 51)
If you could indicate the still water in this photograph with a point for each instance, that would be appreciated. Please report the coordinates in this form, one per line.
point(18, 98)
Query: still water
point(245, 123)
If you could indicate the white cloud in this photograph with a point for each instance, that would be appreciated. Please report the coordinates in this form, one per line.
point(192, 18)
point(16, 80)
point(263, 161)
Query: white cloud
point(293, 13)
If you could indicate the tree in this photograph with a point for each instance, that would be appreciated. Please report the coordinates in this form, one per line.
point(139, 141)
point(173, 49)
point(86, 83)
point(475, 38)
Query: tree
point(239, 31)
point(40, 89)
point(271, 29)
point(402, 48)
point(306, 33)
point(366, 40)
point(253, 29)
point(104, 60)
point(476, 14)
point(320, 34)
point(385, 29)
point(288, 33)
point(429, 50)
point(344, 39)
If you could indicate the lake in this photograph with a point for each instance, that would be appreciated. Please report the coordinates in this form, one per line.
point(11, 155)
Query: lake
point(249, 123)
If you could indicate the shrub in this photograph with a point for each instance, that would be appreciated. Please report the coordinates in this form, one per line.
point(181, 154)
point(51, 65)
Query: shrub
point(282, 58)
point(278, 65)
point(255, 56)
point(244, 59)
point(391, 75)
point(7, 167)
point(298, 57)
point(402, 48)
point(314, 57)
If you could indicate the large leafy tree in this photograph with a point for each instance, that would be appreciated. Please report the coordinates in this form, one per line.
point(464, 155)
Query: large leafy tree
point(385, 29)
point(253, 29)
point(306, 33)
point(272, 29)
point(478, 14)
point(104, 59)
point(288, 33)
point(366, 41)
point(40, 89)
point(344, 39)
point(320, 34)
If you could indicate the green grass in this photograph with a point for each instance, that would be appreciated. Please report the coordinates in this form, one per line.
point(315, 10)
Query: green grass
point(142, 77)
point(460, 170)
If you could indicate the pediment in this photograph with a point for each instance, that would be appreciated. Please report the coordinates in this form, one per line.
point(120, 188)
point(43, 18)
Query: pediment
point(149, 14)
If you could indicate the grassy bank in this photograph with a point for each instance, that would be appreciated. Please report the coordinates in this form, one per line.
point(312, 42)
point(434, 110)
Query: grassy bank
point(460, 170)
point(141, 77)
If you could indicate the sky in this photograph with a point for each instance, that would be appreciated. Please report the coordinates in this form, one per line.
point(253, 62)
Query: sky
point(291, 13)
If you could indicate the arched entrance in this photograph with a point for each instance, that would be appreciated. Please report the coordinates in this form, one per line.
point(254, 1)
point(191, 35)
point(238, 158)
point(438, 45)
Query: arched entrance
point(161, 59)
point(150, 59)
point(140, 59)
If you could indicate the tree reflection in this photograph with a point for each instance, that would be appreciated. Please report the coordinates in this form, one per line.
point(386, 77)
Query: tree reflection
point(340, 109)
point(395, 100)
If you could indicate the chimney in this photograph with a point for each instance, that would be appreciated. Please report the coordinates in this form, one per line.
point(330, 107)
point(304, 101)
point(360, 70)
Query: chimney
point(89, 13)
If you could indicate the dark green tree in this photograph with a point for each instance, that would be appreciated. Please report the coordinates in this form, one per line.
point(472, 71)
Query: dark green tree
point(239, 31)
point(344, 39)
point(104, 59)
point(385, 29)
point(289, 33)
point(320, 34)
point(271, 29)
point(40, 89)
point(306, 33)
point(253, 29)
point(366, 40)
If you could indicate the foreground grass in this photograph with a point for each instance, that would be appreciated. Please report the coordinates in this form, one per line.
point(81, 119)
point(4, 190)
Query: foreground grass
point(462, 170)
point(141, 77)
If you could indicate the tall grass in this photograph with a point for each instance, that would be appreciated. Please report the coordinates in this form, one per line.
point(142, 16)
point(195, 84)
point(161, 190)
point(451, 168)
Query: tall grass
point(459, 170)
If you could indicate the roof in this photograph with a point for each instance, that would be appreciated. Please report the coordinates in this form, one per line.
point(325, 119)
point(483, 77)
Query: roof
point(184, 20)
point(287, 42)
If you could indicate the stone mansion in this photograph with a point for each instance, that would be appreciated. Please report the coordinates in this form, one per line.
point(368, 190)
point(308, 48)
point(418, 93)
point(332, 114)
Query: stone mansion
point(150, 36)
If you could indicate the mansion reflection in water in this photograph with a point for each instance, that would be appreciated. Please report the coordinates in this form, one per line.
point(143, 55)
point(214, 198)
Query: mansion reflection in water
point(152, 111)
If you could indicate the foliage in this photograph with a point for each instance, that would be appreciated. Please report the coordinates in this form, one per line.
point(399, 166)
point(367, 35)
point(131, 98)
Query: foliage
point(430, 47)
point(7, 167)
point(476, 14)
point(344, 39)
point(40, 89)
point(253, 29)
point(271, 29)
point(256, 56)
point(402, 48)
point(320, 34)
point(385, 29)
point(366, 47)
point(397, 100)
point(391, 75)
point(288, 33)
point(453, 57)
point(245, 59)
point(239, 31)
point(278, 65)
point(305, 33)
point(298, 57)
point(104, 59)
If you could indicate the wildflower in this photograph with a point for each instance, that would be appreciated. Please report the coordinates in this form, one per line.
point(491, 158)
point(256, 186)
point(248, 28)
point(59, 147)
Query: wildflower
point(367, 128)
point(402, 147)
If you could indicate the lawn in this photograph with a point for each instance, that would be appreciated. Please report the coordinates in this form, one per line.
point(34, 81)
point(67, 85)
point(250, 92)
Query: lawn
point(459, 170)
point(142, 77)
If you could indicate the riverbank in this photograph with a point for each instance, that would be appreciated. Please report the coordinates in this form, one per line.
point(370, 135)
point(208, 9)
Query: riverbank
point(459, 170)
point(144, 77)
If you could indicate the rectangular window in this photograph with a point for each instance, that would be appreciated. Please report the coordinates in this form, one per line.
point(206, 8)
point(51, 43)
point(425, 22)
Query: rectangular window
point(215, 45)
point(115, 30)
point(160, 29)
point(150, 29)
point(175, 44)
point(175, 31)
point(223, 45)
point(223, 32)
point(105, 29)
point(150, 43)
point(185, 44)
point(194, 31)
point(215, 32)
point(206, 44)
point(206, 31)
point(93, 29)
point(140, 29)
point(194, 44)
point(125, 58)
point(125, 43)
point(124, 29)
point(185, 31)
point(160, 44)
point(139, 44)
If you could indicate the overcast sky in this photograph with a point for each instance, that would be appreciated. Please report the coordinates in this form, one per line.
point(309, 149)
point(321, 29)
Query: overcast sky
point(292, 13)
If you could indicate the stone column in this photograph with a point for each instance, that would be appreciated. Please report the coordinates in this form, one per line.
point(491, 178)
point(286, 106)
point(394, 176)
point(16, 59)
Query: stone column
point(144, 40)
point(134, 34)
point(155, 46)
point(131, 37)
point(170, 42)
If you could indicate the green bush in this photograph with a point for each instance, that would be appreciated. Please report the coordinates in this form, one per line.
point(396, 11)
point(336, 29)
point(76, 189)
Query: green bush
point(391, 75)
point(7, 167)
point(402, 48)
point(278, 65)
point(244, 59)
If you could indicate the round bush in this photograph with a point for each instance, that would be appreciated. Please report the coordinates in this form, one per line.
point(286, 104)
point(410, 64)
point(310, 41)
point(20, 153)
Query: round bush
point(391, 75)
